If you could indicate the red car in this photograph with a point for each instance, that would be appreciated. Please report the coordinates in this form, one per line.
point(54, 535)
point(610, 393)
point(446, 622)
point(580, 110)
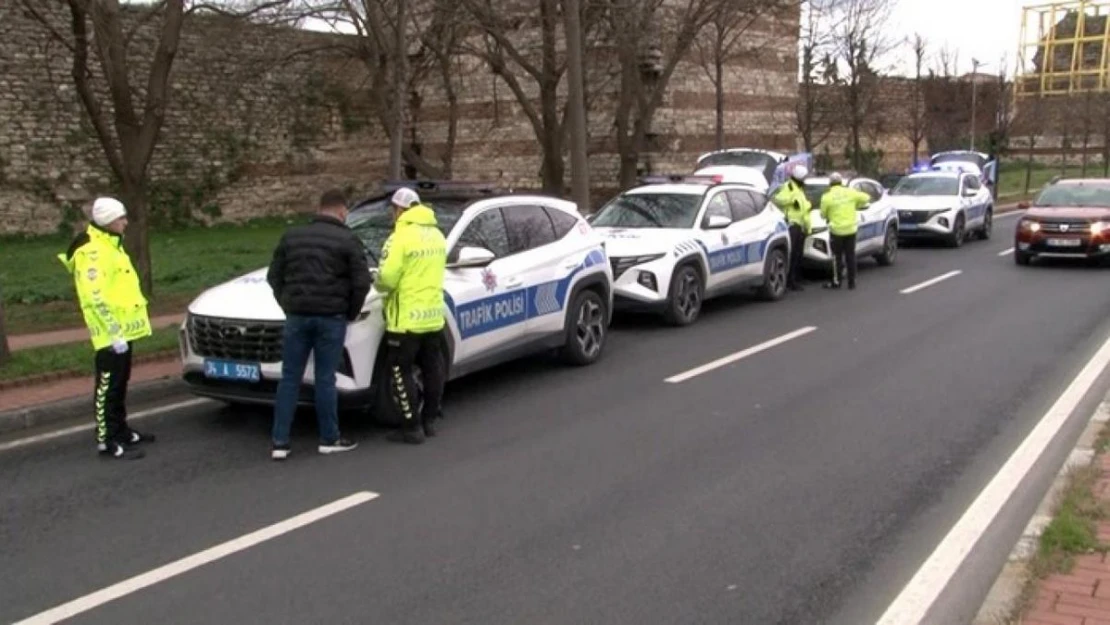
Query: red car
point(1069, 219)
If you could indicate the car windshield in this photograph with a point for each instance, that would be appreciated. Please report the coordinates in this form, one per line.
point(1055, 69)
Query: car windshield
point(372, 222)
point(815, 191)
point(974, 159)
point(927, 185)
point(1075, 195)
point(649, 210)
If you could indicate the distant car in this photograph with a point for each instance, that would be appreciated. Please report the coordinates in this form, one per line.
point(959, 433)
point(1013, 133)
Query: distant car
point(946, 204)
point(878, 224)
point(675, 241)
point(525, 273)
point(766, 162)
point(1069, 219)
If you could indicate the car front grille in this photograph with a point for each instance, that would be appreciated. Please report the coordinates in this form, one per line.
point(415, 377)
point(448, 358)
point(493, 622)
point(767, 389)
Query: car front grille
point(916, 217)
point(1067, 227)
point(235, 339)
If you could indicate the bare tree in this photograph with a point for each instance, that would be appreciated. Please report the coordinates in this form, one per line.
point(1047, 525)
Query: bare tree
point(1104, 128)
point(918, 127)
point(812, 112)
point(127, 120)
point(947, 62)
point(649, 37)
point(576, 104)
point(861, 44)
point(719, 45)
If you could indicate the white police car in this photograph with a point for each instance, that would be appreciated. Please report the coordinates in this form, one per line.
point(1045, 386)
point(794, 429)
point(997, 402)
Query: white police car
point(526, 273)
point(947, 203)
point(678, 240)
point(764, 163)
point(878, 224)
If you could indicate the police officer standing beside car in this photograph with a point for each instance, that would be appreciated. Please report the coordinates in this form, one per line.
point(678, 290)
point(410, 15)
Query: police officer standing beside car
point(792, 201)
point(411, 271)
point(115, 310)
point(839, 207)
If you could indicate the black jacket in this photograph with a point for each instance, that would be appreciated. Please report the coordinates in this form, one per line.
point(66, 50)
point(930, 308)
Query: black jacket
point(320, 269)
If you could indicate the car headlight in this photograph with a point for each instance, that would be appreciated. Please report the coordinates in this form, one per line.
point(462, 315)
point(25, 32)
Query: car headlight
point(1099, 227)
point(622, 264)
point(1029, 225)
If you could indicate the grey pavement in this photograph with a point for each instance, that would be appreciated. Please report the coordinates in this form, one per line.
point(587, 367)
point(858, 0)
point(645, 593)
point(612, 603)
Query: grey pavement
point(804, 484)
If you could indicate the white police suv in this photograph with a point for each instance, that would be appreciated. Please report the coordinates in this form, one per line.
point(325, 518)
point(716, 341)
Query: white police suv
point(763, 163)
point(878, 224)
point(526, 273)
point(677, 240)
point(947, 203)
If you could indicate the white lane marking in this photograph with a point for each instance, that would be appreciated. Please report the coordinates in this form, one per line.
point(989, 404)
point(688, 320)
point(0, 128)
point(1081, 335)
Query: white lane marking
point(731, 358)
point(922, 591)
point(931, 282)
point(77, 429)
point(173, 569)
point(1006, 251)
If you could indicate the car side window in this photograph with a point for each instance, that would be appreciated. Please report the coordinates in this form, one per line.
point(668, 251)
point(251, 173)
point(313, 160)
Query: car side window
point(718, 207)
point(562, 222)
point(872, 190)
point(486, 230)
point(745, 204)
point(529, 227)
point(971, 182)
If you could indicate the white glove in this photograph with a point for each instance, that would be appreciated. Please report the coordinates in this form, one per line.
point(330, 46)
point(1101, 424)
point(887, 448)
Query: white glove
point(119, 346)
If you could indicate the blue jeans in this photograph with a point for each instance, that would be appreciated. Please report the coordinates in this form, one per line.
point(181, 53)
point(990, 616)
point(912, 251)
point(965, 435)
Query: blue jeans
point(323, 336)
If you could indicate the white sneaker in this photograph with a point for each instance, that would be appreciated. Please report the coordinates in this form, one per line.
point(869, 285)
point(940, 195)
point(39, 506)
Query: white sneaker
point(280, 453)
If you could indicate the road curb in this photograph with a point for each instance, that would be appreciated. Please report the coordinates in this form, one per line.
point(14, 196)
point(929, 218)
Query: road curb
point(57, 376)
point(1006, 592)
point(77, 407)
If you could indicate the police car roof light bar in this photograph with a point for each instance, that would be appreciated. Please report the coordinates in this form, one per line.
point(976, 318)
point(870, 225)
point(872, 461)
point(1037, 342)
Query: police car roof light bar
point(682, 179)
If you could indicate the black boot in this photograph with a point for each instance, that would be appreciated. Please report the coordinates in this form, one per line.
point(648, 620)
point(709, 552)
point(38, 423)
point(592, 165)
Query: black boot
point(115, 451)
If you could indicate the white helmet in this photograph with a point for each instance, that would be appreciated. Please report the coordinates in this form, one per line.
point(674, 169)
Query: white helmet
point(405, 198)
point(800, 172)
point(836, 178)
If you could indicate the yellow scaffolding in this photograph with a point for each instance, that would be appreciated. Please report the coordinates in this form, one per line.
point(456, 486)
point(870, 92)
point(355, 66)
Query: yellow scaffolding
point(1064, 49)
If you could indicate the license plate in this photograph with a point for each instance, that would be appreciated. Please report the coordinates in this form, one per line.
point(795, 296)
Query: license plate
point(902, 226)
point(1065, 242)
point(229, 370)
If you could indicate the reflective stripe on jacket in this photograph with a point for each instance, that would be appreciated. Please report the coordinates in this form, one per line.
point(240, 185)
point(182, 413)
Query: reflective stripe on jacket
point(791, 200)
point(108, 289)
point(413, 263)
point(839, 206)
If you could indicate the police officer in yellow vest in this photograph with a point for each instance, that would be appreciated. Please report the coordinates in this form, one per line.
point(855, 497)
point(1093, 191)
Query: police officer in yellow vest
point(839, 207)
point(791, 199)
point(412, 265)
point(115, 311)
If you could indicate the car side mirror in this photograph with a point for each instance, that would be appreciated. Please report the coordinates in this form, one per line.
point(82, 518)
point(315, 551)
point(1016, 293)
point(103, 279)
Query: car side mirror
point(716, 222)
point(472, 257)
point(970, 192)
point(1024, 205)
point(590, 218)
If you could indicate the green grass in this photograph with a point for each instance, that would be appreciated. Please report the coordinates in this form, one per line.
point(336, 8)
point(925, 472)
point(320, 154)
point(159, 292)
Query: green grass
point(38, 294)
point(1011, 178)
point(77, 358)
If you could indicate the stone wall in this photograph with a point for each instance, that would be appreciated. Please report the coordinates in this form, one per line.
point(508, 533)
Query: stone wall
point(261, 119)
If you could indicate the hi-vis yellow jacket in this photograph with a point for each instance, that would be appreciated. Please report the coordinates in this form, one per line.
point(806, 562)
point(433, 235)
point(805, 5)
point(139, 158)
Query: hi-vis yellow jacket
point(108, 289)
point(413, 263)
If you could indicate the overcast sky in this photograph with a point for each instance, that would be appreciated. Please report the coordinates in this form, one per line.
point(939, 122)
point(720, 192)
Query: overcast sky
point(981, 29)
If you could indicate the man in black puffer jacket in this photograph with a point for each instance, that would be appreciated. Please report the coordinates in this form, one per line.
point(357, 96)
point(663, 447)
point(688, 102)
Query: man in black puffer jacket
point(320, 278)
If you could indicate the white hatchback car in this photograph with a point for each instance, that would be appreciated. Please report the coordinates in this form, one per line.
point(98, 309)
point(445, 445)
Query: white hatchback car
point(946, 204)
point(878, 224)
point(677, 240)
point(526, 273)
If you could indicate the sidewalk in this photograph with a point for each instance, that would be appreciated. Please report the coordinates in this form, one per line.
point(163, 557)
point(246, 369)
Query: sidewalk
point(33, 395)
point(1081, 597)
point(76, 335)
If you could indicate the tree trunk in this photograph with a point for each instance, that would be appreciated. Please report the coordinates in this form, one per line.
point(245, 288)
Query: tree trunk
point(576, 93)
point(5, 351)
point(719, 74)
point(397, 134)
point(137, 237)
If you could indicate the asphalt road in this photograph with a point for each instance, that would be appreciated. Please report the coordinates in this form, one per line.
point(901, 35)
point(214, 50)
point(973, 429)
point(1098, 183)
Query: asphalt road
point(803, 484)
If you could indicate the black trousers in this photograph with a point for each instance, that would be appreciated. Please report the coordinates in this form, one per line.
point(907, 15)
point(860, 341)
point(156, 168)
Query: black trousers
point(428, 350)
point(797, 249)
point(843, 257)
point(113, 372)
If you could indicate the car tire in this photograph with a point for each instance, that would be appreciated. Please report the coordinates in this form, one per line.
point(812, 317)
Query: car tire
point(959, 232)
point(686, 292)
point(586, 329)
point(988, 225)
point(1022, 258)
point(774, 275)
point(890, 247)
